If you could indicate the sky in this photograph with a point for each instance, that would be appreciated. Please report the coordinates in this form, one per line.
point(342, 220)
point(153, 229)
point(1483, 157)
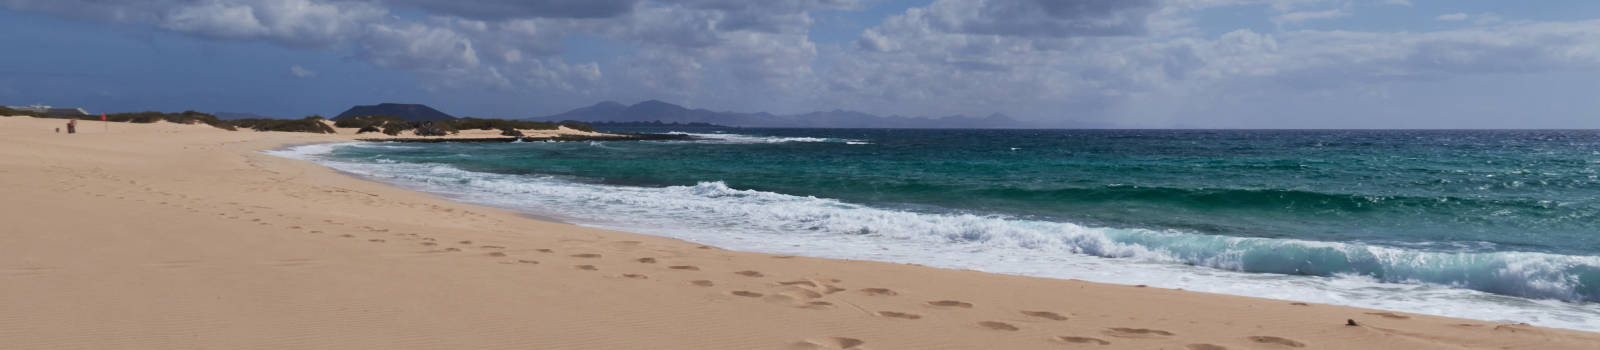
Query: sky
point(1060, 63)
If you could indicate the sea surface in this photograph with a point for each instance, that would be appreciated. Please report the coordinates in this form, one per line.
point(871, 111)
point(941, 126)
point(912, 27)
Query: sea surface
point(1490, 225)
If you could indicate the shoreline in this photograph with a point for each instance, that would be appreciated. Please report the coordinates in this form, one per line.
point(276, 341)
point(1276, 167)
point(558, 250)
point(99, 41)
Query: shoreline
point(204, 241)
point(1442, 301)
point(557, 138)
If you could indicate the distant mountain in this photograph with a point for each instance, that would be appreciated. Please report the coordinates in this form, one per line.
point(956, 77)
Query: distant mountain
point(237, 116)
point(653, 110)
point(411, 112)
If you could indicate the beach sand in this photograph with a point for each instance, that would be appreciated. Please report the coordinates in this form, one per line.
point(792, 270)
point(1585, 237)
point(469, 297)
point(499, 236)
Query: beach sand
point(168, 236)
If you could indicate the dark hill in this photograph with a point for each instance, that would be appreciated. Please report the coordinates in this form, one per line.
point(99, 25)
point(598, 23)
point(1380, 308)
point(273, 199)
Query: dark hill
point(411, 112)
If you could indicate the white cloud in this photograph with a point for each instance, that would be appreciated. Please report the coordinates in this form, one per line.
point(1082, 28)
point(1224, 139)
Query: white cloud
point(301, 72)
point(1133, 60)
point(1305, 16)
point(1478, 19)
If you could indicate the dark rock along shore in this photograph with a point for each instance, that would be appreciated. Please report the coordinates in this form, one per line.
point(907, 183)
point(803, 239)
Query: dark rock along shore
point(562, 138)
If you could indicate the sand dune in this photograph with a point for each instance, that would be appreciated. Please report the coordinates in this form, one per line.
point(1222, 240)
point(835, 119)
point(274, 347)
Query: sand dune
point(165, 236)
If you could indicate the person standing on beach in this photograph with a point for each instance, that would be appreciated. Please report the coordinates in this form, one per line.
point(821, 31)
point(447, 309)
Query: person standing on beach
point(72, 126)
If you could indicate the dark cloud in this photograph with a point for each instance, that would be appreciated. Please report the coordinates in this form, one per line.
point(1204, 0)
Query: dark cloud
point(1045, 18)
point(1020, 57)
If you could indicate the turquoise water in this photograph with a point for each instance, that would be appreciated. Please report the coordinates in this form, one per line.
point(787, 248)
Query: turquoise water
point(1508, 213)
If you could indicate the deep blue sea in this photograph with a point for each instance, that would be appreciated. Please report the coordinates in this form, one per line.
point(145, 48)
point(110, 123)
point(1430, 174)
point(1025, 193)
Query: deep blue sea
point(1493, 225)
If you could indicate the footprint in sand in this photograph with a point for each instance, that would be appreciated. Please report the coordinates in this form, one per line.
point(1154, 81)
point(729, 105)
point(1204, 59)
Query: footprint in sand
point(586, 267)
point(491, 247)
point(1045, 315)
point(376, 240)
point(1299, 304)
point(496, 254)
point(646, 260)
point(1136, 333)
point(529, 262)
point(465, 242)
point(542, 250)
point(684, 267)
point(586, 255)
point(1204, 347)
point(1389, 315)
point(1263, 339)
point(315, 231)
point(1513, 328)
point(879, 292)
point(745, 293)
point(347, 235)
point(999, 326)
point(748, 273)
point(803, 293)
point(1081, 340)
point(702, 283)
point(817, 305)
point(635, 276)
point(900, 315)
point(951, 303)
point(840, 343)
point(429, 244)
point(799, 283)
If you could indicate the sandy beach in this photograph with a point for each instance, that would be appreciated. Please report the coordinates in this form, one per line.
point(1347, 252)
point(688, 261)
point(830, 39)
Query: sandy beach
point(170, 236)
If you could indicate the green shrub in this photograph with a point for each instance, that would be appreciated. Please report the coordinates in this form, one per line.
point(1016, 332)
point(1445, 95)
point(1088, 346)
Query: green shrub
point(362, 121)
point(312, 124)
point(510, 132)
point(394, 129)
point(492, 124)
point(7, 112)
point(430, 128)
point(186, 117)
point(367, 129)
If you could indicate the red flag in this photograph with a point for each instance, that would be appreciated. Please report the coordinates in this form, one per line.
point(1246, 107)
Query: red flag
point(102, 117)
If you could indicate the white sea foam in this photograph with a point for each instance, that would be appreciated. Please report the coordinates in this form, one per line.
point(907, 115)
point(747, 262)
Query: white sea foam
point(712, 213)
point(737, 138)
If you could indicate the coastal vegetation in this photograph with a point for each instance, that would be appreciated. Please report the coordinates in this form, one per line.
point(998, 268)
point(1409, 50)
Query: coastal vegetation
point(311, 124)
point(393, 126)
point(365, 121)
point(386, 124)
point(7, 112)
point(185, 117)
point(491, 124)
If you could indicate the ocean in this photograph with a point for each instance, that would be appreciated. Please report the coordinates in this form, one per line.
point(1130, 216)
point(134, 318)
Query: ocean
point(1491, 225)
